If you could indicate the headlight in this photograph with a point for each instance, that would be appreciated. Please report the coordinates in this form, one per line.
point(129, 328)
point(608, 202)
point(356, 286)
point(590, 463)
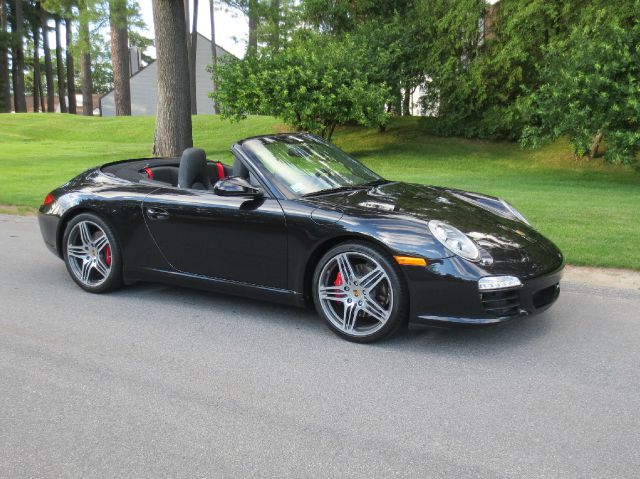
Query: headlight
point(515, 212)
point(454, 240)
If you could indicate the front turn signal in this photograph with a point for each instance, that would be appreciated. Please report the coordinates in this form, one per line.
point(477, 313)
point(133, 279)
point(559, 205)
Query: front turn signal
point(410, 261)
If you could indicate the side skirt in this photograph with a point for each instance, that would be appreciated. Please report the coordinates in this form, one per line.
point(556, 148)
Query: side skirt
point(217, 285)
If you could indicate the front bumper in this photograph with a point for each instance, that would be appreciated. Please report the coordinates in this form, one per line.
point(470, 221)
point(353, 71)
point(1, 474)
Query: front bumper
point(441, 299)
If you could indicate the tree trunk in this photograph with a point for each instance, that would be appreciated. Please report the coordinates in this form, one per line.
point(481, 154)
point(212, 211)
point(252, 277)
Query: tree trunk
point(331, 129)
point(187, 30)
point(120, 56)
point(42, 102)
point(48, 68)
point(71, 74)
point(406, 100)
point(252, 47)
point(275, 34)
point(595, 145)
point(60, 67)
point(192, 59)
point(36, 68)
point(19, 100)
point(214, 52)
point(397, 101)
point(85, 62)
point(5, 91)
point(173, 120)
point(187, 22)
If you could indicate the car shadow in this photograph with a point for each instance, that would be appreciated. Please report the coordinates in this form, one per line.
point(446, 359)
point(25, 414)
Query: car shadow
point(206, 301)
point(473, 339)
point(476, 338)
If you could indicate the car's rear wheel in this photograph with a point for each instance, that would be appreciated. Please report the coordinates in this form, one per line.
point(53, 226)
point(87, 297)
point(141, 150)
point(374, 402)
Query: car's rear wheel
point(92, 254)
point(359, 292)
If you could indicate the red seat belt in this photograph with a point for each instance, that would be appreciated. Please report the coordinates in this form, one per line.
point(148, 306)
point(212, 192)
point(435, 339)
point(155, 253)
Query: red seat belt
point(220, 170)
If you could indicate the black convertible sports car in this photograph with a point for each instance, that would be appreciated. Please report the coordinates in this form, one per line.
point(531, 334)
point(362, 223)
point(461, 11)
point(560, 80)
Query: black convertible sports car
point(294, 219)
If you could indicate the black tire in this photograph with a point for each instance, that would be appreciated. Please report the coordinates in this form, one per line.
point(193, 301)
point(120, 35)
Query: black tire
point(396, 306)
point(111, 253)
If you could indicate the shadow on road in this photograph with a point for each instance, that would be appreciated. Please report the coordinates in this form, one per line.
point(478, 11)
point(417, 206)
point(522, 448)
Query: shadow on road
point(470, 339)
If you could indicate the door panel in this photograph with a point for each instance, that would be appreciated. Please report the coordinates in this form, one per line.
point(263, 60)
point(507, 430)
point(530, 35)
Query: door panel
point(221, 237)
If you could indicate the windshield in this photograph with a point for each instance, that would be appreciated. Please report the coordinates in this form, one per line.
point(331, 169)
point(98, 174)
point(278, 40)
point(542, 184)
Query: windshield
point(305, 165)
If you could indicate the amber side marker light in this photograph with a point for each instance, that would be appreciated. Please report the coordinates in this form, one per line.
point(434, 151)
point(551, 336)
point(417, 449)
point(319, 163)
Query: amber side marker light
point(410, 261)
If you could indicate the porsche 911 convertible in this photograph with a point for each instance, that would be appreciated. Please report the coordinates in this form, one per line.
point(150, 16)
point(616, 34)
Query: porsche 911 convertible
point(294, 219)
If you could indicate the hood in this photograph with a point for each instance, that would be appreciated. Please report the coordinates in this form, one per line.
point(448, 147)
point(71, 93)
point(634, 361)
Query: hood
point(423, 203)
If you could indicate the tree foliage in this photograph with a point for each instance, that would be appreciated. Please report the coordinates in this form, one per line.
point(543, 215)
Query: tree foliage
point(591, 87)
point(314, 83)
point(482, 59)
point(327, 63)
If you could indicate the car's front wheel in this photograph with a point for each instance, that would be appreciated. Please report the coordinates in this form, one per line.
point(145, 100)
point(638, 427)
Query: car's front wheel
point(359, 291)
point(92, 254)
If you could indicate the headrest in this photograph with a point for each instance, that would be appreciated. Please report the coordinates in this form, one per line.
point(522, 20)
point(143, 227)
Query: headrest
point(193, 155)
point(193, 169)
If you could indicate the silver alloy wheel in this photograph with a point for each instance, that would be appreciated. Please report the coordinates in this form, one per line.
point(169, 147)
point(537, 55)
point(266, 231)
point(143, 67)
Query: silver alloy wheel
point(89, 253)
point(355, 293)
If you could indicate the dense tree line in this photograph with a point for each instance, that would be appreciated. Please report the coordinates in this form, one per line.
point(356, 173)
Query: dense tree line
point(529, 71)
point(79, 57)
point(532, 70)
point(85, 62)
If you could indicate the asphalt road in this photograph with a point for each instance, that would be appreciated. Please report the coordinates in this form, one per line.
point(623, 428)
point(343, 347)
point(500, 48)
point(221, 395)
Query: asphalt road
point(156, 381)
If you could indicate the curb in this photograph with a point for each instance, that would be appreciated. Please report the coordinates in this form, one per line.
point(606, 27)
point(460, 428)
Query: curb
point(608, 277)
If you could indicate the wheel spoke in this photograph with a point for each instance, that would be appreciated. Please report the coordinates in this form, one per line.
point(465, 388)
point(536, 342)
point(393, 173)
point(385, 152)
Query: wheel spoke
point(373, 309)
point(85, 272)
point(332, 293)
point(346, 270)
point(100, 267)
point(349, 316)
point(85, 235)
point(372, 278)
point(101, 242)
point(76, 251)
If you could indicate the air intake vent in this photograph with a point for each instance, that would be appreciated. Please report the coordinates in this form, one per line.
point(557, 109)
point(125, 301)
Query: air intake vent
point(546, 296)
point(501, 303)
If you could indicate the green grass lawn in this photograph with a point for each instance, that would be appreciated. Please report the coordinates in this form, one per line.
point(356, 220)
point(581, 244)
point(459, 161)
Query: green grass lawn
point(591, 210)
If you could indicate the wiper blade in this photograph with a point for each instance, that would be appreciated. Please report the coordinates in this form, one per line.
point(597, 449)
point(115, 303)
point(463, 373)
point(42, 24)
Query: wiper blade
point(378, 182)
point(335, 190)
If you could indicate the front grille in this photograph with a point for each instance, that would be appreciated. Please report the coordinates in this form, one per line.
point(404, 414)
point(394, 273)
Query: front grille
point(546, 296)
point(501, 303)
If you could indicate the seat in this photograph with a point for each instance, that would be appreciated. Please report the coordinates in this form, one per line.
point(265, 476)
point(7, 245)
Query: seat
point(193, 172)
point(166, 174)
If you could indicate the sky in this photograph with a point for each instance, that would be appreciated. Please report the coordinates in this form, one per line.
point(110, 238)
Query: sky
point(231, 27)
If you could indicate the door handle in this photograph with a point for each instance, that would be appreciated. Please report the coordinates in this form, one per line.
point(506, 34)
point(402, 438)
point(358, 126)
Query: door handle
point(157, 214)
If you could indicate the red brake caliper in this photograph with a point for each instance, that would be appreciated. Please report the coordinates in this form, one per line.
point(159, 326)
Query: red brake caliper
point(338, 280)
point(107, 255)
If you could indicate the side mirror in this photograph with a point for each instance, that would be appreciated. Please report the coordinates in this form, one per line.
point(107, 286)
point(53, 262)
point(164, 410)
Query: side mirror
point(236, 186)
